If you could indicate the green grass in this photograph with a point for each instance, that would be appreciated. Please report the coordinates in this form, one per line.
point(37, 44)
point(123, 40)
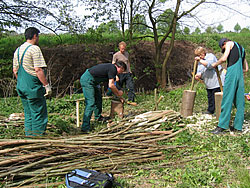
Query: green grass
point(206, 160)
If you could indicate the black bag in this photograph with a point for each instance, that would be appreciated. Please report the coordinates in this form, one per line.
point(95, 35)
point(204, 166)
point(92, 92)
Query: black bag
point(84, 178)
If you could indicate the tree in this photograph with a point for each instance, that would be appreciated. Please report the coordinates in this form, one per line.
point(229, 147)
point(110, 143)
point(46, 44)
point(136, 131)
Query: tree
point(237, 28)
point(161, 67)
point(108, 9)
point(197, 30)
point(245, 30)
point(219, 28)
point(51, 15)
point(139, 24)
point(210, 30)
point(164, 21)
point(186, 31)
point(110, 27)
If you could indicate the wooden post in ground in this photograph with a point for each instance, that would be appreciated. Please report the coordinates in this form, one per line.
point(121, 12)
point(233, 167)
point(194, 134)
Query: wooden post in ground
point(155, 93)
point(218, 98)
point(188, 97)
point(77, 114)
point(117, 107)
point(187, 105)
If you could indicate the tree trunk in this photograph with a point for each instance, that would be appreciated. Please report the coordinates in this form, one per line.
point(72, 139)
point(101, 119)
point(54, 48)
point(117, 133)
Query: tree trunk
point(164, 65)
point(122, 18)
point(131, 20)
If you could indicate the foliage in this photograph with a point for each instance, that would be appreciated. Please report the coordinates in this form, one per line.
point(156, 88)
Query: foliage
point(197, 31)
point(110, 27)
point(186, 31)
point(221, 160)
point(219, 28)
point(164, 21)
point(51, 15)
point(210, 30)
point(237, 28)
point(140, 23)
point(245, 30)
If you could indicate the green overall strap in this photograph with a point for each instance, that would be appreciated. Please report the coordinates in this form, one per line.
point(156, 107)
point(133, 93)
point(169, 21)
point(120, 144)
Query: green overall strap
point(240, 53)
point(22, 55)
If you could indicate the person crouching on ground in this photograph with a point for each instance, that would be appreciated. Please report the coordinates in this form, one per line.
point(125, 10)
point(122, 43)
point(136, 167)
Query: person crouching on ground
point(233, 91)
point(207, 73)
point(90, 81)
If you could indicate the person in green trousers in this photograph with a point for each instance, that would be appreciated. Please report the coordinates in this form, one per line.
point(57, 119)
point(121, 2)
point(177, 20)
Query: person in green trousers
point(90, 82)
point(233, 91)
point(32, 85)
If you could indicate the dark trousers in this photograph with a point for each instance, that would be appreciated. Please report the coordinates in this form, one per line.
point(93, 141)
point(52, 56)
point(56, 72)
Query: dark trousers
point(211, 101)
point(93, 99)
point(127, 79)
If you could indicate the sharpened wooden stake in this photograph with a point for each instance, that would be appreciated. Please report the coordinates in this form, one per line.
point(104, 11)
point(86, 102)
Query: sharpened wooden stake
point(77, 114)
point(157, 102)
point(155, 93)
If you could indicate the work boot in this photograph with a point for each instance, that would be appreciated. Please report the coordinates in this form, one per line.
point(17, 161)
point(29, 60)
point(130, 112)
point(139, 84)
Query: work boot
point(218, 130)
point(232, 129)
point(207, 112)
point(103, 119)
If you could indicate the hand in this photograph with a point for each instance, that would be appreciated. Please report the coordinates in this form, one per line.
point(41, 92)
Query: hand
point(117, 79)
point(214, 65)
point(48, 89)
point(120, 93)
point(197, 77)
point(122, 100)
point(197, 58)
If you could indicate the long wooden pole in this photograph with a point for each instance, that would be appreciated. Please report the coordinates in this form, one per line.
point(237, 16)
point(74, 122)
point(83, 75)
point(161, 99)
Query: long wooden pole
point(194, 72)
point(219, 79)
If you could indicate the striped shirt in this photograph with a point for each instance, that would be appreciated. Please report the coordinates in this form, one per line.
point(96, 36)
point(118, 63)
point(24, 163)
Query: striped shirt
point(33, 57)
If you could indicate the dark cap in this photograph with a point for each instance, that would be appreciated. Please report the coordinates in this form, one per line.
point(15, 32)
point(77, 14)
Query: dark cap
point(222, 42)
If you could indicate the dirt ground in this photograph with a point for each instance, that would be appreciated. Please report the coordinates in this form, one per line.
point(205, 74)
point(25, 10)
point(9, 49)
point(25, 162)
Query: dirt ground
point(66, 63)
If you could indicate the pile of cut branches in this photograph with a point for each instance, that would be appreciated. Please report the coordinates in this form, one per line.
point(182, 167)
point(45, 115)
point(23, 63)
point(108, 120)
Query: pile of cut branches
point(134, 140)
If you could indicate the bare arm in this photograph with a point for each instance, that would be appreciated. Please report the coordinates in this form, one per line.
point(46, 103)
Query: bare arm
point(15, 72)
point(114, 59)
point(202, 61)
point(113, 88)
point(41, 76)
point(224, 56)
point(245, 66)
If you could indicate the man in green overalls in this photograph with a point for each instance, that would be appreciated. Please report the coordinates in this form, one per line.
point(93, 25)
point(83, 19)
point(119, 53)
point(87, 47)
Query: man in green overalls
point(32, 85)
point(233, 92)
point(90, 81)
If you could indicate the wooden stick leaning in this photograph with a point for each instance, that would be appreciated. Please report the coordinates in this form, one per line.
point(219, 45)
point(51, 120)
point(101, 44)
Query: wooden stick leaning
point(194, 72)
point(219, 79)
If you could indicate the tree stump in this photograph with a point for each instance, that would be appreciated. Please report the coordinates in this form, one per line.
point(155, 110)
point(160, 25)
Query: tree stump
point(218, 98)
point(117, 107)
point(187, 103)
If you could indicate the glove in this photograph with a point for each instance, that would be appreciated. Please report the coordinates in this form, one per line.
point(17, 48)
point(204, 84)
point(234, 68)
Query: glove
point(48, 89)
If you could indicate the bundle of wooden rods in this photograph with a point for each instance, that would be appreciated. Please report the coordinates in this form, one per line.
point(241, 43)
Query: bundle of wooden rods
point(131, 140)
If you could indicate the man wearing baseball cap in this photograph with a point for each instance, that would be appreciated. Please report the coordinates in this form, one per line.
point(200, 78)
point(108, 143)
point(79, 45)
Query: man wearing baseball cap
point(233, 91)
